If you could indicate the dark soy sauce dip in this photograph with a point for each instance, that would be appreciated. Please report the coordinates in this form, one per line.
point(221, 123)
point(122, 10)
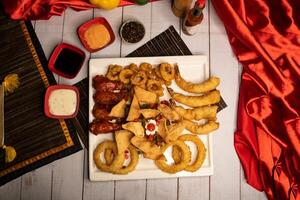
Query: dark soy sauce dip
point(68, 62)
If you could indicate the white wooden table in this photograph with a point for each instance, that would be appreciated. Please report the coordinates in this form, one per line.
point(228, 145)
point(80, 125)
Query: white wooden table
point(67, 178)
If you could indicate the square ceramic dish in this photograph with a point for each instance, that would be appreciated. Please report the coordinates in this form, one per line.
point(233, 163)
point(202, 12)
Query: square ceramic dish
point(86, 25)
point(52, 88)
point(192, 68)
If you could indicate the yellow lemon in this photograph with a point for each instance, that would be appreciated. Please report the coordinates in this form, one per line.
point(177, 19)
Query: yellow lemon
point(105, 4)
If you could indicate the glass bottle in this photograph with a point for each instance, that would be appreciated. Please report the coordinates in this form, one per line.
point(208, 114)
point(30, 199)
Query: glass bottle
point(193, 19)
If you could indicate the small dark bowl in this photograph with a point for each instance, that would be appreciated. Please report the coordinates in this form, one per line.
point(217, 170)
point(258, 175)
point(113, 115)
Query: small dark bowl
point(132, 31)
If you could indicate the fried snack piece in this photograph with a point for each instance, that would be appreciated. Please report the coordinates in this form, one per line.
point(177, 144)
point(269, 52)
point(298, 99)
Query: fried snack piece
point(151, 151)
point(204, 112)
point(185, 158)
point(125, 75)
point(113, 72)
point(145, 96)
point(169, 113)
point(201, 152)
point(140, 78)
point(167, 71)
point(122, 138)
point(197, 88)
point(155, 86)
point(145, 67)
point(149, 113)
point(209, 98)
point(134, 110)
point(107, 144)
point(135, 127)
point(162, 128)
point(101, 127)
point(118, 110)
point(108, 156)
point(134, 156)
point(201, 129)
point(133, 67)
point(103, 84)
point(174, 131)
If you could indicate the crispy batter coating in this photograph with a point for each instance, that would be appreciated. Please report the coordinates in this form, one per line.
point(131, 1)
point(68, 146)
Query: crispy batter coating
point(197, 88)
point(209, 98)
point(201, 152)
point(204, 112)
point(201, 129)
point(185, 158)
point(113, 72)
point(125, 75)
point(167, 71)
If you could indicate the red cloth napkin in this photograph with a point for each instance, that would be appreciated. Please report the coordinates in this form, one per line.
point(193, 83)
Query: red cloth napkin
point(265, 36)
point(44, 9)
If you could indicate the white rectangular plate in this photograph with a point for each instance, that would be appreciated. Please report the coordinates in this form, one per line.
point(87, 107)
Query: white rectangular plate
point(192, 68)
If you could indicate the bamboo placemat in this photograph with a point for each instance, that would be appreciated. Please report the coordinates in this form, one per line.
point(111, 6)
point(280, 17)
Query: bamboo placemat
point(168, 43)
point(37, 139)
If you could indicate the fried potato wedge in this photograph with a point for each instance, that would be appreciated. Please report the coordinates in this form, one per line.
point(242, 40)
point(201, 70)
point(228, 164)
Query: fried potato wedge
point(195, 128)
point(204, 112)
point(118, 110)
point(134, 111)
point(151, 151)
point(135, 127)
point(201, 152)
point(134, 159)
point(145, 96)
point(149, 113)
point(197, 88)
point(107, 144)
point(174, 131)
point(185, 158)
point(209, 98)
point(168, 113)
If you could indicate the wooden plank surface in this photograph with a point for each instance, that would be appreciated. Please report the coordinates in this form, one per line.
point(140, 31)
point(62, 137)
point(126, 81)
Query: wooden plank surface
point(68, 177)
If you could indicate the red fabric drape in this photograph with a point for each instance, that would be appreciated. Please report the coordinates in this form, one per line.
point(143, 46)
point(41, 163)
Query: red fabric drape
point(44, 9)
point(265, 36)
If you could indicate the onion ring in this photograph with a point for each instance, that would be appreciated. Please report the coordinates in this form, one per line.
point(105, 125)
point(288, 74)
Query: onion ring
point(113, 72)
point(147, 67)
point(155, 86)
point(172, 169)
point(201, 152)
point(167, 71)
point(133, 163)
point(108, 156)
point(107, 144)
point(125, 75)
point(140, 78)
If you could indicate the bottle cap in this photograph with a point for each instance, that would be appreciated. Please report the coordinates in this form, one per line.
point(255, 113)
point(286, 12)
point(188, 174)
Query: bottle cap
point(200, 3)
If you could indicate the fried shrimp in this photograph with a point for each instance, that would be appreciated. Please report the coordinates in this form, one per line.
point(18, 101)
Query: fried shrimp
point(125, 75)
point(201, 129)
point(209, 98)
point(204, 112)
point(197, 88)
point(113, 72)
point(201, 152)
point(181, 165)
point(169, 113)
point(167, 71)
point(140, 78)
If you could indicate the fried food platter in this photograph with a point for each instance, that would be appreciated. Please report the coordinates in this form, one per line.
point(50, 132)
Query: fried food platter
point(103, 148)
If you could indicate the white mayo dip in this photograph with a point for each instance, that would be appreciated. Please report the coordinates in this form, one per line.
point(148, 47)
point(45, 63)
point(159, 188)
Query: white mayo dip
point(62, 102)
